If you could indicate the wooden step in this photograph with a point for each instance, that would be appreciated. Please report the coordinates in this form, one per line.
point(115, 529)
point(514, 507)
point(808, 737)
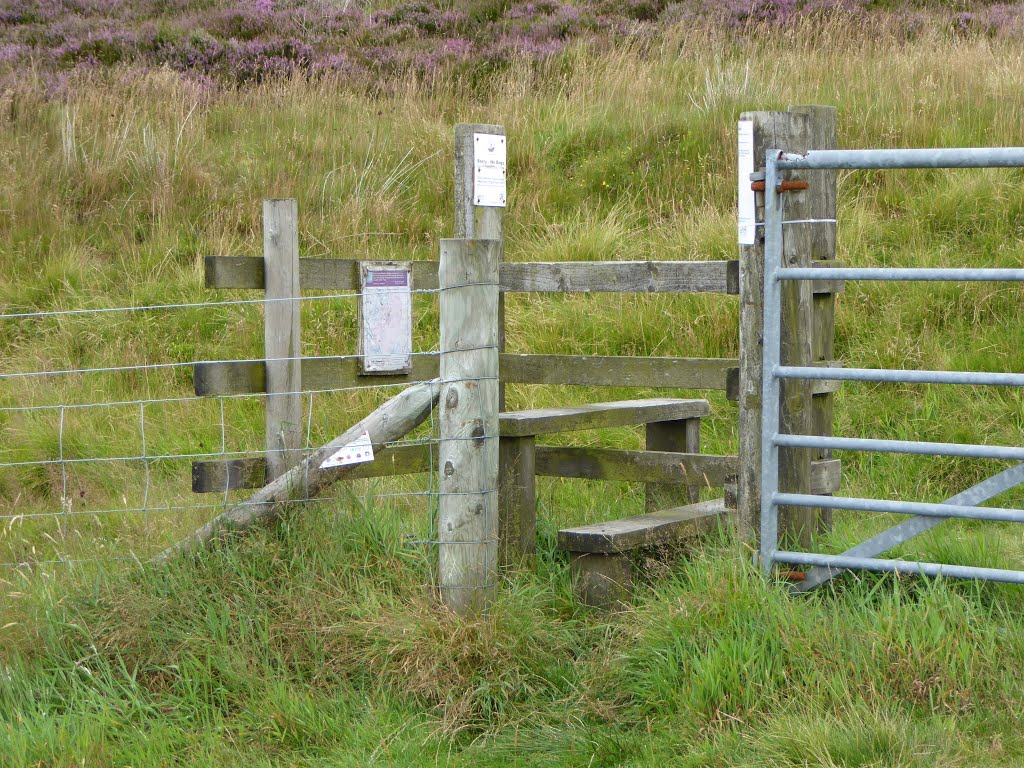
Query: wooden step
point(619, 536)
point(545, 421)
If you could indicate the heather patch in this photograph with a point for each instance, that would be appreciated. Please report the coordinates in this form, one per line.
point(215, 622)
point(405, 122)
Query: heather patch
point(251, 41)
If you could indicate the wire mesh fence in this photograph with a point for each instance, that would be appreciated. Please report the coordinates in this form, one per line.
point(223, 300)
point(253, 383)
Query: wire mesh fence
point(97, 459)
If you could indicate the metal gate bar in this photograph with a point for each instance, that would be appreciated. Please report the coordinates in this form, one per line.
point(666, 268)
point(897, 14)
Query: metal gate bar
point(987, 489)
point(927, 515)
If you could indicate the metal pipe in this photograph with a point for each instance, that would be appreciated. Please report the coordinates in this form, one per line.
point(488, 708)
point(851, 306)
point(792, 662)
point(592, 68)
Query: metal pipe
point(900, 507)
point(901, 566)
point(984, 378)
point(771, 353)
point(916, 447)
point(972, 157)
point(930, 274)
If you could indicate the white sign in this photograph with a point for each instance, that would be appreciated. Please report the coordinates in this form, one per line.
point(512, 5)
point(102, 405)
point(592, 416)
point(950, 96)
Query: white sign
point(745, 209)
point(385, 317)
point(489, 170)
point(358, 451)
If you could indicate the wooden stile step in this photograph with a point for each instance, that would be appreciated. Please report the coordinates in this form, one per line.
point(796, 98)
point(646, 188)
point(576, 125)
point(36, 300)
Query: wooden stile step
point(618, 536)
point(602, 567)
point(622, 413)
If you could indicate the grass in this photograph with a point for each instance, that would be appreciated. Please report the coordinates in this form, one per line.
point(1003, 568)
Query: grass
point(315, 642)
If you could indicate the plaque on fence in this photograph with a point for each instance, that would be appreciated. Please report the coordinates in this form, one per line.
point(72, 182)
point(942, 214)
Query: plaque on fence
point(489, 170)
point(385, 317)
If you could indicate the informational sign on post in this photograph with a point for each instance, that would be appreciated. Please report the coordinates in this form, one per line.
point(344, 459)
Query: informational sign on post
point(489, 170)
point(746, 209)
point(385, 317)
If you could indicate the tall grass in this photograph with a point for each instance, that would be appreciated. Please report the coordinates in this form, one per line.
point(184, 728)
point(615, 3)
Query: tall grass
point(315, 643)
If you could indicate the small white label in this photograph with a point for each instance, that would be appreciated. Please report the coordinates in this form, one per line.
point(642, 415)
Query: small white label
point(745, 208)
point(489, 170)
point(358, 451)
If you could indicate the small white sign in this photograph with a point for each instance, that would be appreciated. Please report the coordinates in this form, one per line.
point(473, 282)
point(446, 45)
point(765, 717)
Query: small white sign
point(385, 318)
point(358, 451)
point(746, 209)
point(489, 170)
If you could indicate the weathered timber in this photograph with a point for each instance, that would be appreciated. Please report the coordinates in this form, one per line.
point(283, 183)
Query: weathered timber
point(315, 274)
point(683, 436)
point(699, 470)
point(397, 417)
point(324, 373)
point(545, 421)
point(821, 204)
point(517, 500)
point(694, 470)
point(281, 344)
point(668, 372)
point(818, 386)
point(318, 374)
point(237, 474)
point(619, 536)
point(468, 425)
point(327, 274)
point(601, 581)
point(474, 221)
point(621, 276)
point(601, 566)
point(799, 129)
point(748, 390)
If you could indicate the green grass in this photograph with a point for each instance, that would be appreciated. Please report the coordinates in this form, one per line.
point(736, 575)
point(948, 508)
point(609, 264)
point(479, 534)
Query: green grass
point(315, 642)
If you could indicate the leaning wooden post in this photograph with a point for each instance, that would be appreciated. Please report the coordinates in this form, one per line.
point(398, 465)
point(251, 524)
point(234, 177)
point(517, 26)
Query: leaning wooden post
point(468, 419)
point(798, 130)
point(282, 349)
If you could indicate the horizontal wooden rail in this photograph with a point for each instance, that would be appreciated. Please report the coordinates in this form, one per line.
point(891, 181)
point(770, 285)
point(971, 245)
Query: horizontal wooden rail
point(818, 386)
point(621, 276)
point(318, 274)
point(695, 469)
point(598, 371)
point(249, 377)
point(236, 474)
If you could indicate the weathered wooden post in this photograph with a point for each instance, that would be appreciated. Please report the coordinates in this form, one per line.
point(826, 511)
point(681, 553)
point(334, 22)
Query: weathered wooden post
point(282, 349)
point(682, 436)
point(468, 419)
point(808, 325)
point(517, 497)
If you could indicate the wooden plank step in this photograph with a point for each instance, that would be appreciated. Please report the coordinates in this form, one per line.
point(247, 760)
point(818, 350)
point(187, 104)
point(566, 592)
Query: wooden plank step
point(546, 421)
point(619, 536)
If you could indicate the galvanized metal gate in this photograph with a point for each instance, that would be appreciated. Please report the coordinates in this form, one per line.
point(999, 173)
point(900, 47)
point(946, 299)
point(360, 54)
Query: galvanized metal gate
point(924, 516)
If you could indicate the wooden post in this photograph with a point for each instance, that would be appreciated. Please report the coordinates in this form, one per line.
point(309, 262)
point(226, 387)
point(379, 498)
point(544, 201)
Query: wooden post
point(478, 222)
point(281, 336)
point(468, 443)
point(517, 500)
point(681, 436)
point(799, 129)
point(820, 203)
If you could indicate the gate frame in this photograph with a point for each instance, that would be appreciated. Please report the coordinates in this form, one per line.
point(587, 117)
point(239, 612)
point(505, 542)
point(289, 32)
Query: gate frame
point(925, 516)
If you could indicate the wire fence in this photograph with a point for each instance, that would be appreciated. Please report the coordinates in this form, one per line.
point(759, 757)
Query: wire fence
point(89, 477)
